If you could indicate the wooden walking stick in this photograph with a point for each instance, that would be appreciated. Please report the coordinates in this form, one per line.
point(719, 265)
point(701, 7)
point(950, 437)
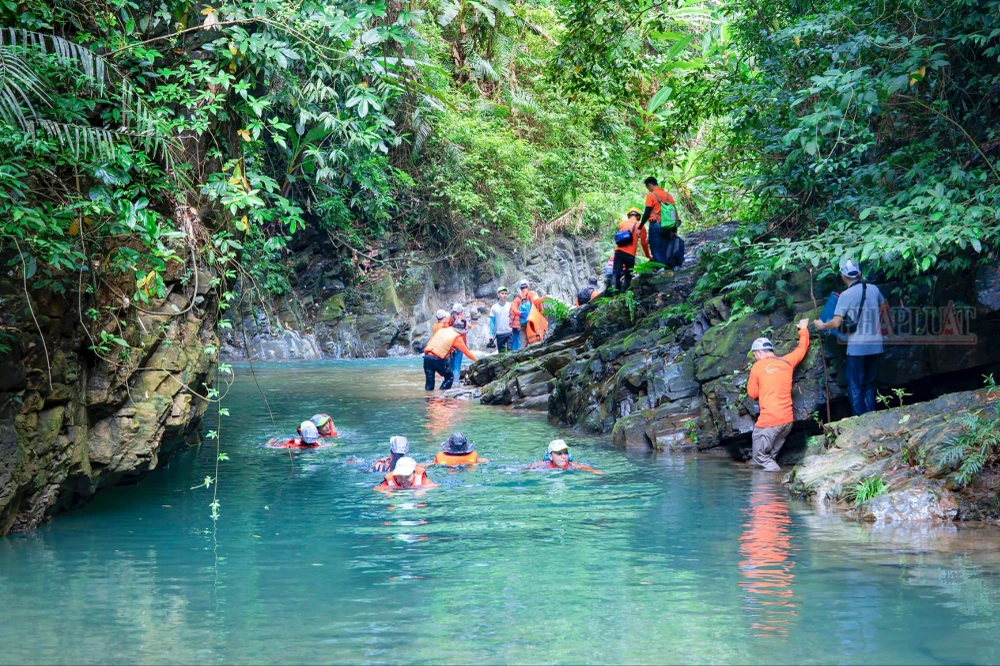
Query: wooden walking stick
point(822, 351)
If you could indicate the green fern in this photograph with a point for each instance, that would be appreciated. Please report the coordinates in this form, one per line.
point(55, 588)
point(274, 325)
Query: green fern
point(975, 448)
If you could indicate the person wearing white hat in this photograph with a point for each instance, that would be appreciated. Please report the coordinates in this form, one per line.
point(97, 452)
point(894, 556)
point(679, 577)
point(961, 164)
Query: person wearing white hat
point(557, 457)
point(770, 383)
point(443, 321)
point(307, 438)
point(858, 314)
point(520, 310)
point(407, 475)
point(398, 447)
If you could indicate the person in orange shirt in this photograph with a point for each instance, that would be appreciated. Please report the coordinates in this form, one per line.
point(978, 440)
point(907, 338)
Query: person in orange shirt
point(407, 475)
point(624, 259)
point(437, 354)
point(324, 425)
point(661, 213)
point(443, 321)
point(770, 383)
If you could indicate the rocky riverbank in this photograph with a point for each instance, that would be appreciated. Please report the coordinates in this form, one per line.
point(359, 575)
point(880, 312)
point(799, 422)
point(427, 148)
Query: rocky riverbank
point(664, 369)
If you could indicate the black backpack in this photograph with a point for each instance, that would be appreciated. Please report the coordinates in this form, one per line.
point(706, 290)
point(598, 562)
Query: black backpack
point(583, 296)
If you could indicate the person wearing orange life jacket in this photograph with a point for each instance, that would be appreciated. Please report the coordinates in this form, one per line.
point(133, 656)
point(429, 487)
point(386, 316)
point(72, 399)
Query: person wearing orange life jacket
point(770, 383)
point(443, 321)
point(407, 475)
point(437, 355)
point(308, 438)
point(558, 458)
point(661, 213)
point(627, 239)
point(324, 425)
point(398, 447)
point(521, 308)
point(457, 450)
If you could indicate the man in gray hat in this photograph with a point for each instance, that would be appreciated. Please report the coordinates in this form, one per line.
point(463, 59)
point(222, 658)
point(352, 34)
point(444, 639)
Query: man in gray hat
point(858, 315)
point(770, 383)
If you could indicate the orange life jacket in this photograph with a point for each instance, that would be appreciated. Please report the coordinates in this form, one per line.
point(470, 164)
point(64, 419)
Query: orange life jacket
point(444, 323)
point(515, 308)
point(442, 342)
point(536, 326)
point(420, 480)
point(454, 459)
point(296, 443)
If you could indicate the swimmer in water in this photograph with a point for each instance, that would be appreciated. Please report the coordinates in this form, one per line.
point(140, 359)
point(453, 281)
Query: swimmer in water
point(407, 475)
point(308, 438)
point(398, 447)
point(558, 458)
point(457, 450)
point(324, 424)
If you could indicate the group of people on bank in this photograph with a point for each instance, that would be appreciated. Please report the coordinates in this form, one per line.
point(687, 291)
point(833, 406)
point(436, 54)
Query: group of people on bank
point(514, 325)
point(857, 318)
point(402, 472)
point(661, 244)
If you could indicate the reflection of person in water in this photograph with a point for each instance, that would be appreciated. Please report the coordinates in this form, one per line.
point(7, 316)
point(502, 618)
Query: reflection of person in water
point(766, 572)
point(442, 415)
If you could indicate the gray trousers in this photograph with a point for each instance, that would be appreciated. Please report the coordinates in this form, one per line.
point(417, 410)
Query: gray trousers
point(767, 443)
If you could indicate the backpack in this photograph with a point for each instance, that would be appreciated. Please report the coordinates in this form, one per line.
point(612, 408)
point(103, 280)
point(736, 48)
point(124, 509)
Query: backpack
point(671, 210)
point(583, 296)
point(624, 237)
point(675, 252)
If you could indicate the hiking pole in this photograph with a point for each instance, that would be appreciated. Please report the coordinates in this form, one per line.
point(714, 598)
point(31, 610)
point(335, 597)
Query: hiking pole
point(822, 351)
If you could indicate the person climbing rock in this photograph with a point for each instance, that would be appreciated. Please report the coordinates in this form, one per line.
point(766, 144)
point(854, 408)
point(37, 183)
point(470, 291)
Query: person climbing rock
point(407, 475)
point(458, 316)
point(661, 213)
point(630, 233)
point(524, 307)
point(770, 383)
point(500, 329)
point(443, 321)
point(859, 311)
point(589, 292)
point(609, 272)
point(558, 457)
point(437, 354)
point(398, 447)
point(324, 425)
point(457, 450)
point(307, 438)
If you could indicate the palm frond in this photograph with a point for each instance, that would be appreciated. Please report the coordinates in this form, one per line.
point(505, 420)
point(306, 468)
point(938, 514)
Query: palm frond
point(18, 84)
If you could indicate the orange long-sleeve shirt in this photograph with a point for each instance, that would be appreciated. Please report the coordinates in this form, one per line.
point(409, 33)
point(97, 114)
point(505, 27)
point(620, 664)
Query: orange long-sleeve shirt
point(770, 384)
point(638, 235)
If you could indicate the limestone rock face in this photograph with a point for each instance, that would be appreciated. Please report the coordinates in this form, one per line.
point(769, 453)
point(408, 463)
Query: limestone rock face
point(99, 423)
point(904, 448)
point(393, 314)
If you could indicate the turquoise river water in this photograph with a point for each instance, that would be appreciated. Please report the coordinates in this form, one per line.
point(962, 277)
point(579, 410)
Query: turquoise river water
point(662, 559)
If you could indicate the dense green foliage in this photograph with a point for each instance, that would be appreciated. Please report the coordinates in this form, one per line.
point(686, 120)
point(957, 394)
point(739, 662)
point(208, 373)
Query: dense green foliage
point(841, 128)
point(432, 124)
point(470, 125)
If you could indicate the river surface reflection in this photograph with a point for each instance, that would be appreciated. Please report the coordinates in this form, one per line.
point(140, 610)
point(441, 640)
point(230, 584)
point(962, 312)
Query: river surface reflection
point(662, 559)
